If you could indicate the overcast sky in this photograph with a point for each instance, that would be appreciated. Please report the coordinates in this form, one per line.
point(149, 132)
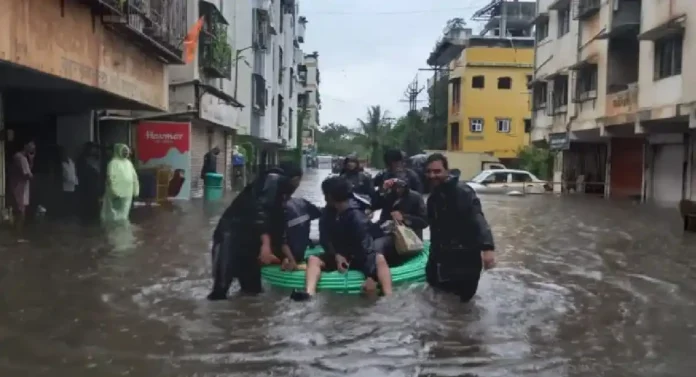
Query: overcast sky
point(369, 50)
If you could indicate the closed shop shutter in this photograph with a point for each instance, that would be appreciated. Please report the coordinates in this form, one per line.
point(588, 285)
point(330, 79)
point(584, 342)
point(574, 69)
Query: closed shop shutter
point(199, 147)
point(626, 177)
point(667, 172)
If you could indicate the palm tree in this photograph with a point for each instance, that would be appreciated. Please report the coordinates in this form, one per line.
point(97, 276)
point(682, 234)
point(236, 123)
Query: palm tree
point(375, 132)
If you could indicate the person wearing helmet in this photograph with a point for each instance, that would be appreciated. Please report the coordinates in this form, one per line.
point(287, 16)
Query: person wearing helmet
point(360, 181)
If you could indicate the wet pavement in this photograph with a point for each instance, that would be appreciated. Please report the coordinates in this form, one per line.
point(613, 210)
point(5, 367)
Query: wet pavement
point(584, 287)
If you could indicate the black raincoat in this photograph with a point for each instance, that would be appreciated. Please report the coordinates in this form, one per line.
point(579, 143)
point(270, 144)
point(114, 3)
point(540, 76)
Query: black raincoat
point(411, 206)
point(360, 181)
point(459, 233)
point(257, 210)
point(299, 214)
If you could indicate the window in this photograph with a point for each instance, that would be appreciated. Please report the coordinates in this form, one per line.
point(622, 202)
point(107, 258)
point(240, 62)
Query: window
point(529, 79)
point(586, 83)
point(563, 21)
point(290, 123)
point(497, 177)
point(668, 56)
point(504, 83)
point(454, 136)
point(456, 94)
point(542, 31)
point(521, 177)
point(478, 82)
point(476, 125)
point(559, 96)
point(280, 65)
point(539, 95)
point(503, 125)
point(527, 126)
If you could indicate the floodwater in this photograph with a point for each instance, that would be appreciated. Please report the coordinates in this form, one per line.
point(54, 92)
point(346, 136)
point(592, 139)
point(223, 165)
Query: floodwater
point(584, 287)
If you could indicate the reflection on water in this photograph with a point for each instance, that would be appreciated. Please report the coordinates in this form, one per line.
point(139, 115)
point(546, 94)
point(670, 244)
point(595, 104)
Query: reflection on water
point(584, 287)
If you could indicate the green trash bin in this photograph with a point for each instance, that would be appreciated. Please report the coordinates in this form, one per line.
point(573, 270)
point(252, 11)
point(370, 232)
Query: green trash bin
point(213, 189)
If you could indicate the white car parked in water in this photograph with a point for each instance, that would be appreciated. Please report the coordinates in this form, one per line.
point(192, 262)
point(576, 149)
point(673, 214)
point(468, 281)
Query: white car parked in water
point(508, 181)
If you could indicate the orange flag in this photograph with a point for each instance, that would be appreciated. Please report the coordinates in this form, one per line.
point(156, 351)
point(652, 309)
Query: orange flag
point(191, 41)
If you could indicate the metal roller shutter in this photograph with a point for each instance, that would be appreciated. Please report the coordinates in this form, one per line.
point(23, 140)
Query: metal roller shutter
point(667, 172)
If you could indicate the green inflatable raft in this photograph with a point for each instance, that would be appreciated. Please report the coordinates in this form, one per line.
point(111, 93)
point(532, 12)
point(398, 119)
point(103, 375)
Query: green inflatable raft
point(413, 271)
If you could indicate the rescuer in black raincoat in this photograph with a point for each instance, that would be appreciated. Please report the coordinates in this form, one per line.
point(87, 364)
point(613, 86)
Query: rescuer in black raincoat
point(461, 239)
point(360, 180)
point(251, 231)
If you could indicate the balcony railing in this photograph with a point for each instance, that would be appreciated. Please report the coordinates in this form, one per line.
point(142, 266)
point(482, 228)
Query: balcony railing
point(157, 26)
point(622, 102)
point(215, 52)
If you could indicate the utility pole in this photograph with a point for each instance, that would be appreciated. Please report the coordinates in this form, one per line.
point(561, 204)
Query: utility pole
point(411, 94)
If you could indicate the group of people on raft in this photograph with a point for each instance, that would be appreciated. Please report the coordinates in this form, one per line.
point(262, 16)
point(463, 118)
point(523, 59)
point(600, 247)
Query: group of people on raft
point(265, 225)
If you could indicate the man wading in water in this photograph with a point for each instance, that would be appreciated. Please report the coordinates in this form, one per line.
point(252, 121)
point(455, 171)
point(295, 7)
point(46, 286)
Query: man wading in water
point(461, 240)
point(251, 231)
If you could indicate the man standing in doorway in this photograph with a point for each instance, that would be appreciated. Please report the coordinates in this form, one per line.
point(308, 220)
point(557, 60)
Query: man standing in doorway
point(20, 176)
point(210, 162)
point(461, 239)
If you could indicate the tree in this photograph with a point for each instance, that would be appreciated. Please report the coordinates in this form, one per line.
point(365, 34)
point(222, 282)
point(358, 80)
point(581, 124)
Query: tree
point(536, 160)
point(375, 134)
point(408, 133)
point(339, 140)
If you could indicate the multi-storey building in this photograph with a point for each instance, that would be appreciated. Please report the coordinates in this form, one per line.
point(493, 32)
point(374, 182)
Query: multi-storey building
point(277, 33)
point(609, 94)
point(309, 100)
point(61, 61)
point(488, 96)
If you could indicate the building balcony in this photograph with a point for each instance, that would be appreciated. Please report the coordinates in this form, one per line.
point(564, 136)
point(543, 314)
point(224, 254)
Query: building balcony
point(215, 53)
point(156, 26)
point(585, 9)
point(625, 20)
point(621, 104)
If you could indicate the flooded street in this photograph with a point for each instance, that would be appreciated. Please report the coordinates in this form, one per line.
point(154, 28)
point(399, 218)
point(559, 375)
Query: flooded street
point(584, 287)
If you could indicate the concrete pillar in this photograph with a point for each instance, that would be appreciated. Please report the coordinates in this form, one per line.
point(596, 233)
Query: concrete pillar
point(607, 172)
point(558, 173)
point(648, 156)
point(2, 156)
point(688, 166)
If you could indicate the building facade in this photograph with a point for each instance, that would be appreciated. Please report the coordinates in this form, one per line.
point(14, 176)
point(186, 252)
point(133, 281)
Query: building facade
point(61, 61)
point(488, 99)
point(277, 34)
point(609, 94)
point(309, 99)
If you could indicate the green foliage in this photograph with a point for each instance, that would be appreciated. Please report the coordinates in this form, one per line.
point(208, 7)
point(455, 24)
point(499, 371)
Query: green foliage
point(337, 139)
point(536, 160)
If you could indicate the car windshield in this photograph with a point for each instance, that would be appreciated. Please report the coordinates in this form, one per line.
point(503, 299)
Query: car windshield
point(480, 176)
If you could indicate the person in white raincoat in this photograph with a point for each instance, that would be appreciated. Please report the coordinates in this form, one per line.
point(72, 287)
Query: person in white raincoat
point(121, 186)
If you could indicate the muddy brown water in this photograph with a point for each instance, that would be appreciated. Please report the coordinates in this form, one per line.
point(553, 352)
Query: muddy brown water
point(584, 287)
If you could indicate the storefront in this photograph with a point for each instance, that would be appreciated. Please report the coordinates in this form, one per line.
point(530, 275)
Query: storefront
point(667, 168)
point(626, 167)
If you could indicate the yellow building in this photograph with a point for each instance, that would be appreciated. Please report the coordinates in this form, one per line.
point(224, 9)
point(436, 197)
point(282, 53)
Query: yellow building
point(488, 106)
